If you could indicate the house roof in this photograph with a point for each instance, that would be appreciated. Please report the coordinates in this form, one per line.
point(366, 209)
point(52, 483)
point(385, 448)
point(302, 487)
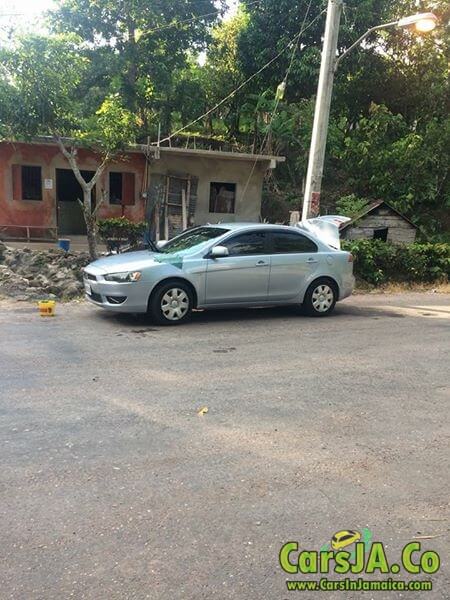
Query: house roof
point(153, 150)
point(371, 208)
point(210, 153)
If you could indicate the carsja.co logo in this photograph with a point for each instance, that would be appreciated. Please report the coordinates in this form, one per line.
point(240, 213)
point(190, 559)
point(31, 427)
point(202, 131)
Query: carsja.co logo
point(352, 552)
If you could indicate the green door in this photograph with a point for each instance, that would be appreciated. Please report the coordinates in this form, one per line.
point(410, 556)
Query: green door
point(68, 193)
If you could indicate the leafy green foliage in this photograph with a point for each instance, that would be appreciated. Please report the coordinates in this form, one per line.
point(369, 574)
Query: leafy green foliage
point(112, 126)
point(142, 45)
point(122, 68)
point(351, 205)
point(408, 167)
point(39, 97)
point(379, 262)
point(273, 23)
point(118, 231)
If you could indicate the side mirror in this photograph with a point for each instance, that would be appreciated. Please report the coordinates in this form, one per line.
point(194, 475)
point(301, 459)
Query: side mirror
point(219, 252)
point(161, 244)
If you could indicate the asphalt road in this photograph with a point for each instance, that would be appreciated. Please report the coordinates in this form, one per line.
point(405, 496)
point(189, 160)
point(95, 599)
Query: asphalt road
point(113, 487)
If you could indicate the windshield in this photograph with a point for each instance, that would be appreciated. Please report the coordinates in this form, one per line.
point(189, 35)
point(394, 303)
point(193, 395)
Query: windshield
point(192, 240)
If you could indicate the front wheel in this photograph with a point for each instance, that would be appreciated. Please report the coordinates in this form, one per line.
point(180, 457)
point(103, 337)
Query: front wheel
point(171, 304)
point(320, 298)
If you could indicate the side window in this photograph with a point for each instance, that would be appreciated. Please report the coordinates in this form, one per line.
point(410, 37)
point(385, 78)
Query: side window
point(245, 244)
point(285, 242)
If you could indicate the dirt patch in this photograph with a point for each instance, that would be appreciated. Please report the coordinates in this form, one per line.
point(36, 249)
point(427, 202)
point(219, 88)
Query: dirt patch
point(362, 287)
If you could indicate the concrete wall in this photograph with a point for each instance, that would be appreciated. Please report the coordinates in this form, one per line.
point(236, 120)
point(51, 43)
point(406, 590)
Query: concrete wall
point(207, 170)
point(43, 213)
point(400, 231)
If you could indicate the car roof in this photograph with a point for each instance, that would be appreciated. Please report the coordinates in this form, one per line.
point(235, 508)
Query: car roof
point(243, 225)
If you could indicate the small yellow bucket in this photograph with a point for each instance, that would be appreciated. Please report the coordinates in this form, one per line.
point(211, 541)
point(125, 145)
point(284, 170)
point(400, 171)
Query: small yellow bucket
point(47, 308)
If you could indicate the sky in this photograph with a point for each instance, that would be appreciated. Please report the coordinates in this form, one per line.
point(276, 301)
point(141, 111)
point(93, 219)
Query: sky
point(29, 15)
point(24, 9)
point(26, 15)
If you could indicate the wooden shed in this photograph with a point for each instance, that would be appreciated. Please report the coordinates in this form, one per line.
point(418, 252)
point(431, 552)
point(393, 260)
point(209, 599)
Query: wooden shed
point(380, 221)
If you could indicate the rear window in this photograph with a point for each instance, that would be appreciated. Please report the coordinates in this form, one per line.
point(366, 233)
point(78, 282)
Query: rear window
point(286, 242)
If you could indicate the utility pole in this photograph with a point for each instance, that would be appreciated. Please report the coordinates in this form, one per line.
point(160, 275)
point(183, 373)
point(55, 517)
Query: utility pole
point(421, 22)
point(311, 202)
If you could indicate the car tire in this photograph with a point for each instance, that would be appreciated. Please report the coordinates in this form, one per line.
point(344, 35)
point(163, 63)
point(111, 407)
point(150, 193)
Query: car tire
point(171, 303)
point(320, 298)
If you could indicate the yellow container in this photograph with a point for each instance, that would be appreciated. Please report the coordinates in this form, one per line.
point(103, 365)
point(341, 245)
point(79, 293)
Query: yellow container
point(47, 308)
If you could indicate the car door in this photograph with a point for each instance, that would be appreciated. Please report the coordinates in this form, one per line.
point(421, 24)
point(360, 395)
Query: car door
point(294, 258)
point(243, 276)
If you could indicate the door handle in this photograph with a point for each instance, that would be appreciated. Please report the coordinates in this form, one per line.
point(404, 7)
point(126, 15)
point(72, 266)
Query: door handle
point(262, 263)
point(312, 260)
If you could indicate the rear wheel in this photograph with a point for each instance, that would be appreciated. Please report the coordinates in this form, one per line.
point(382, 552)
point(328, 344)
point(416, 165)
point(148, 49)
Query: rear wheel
point(171, 304)
point(320, 298)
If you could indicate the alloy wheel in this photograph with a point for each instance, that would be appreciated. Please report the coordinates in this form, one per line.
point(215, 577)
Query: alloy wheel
point(322, 298)
point(174, 304)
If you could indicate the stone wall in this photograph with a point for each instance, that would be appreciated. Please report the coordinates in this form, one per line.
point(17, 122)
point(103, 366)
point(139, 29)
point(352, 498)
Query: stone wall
point(34, 275)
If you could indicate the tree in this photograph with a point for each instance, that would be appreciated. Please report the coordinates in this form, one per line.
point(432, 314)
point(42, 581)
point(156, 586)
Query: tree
point(389, 128)
point(408, 167)
point(43, 100)
point(222, 73)
point(141, 45)
point(273, 23)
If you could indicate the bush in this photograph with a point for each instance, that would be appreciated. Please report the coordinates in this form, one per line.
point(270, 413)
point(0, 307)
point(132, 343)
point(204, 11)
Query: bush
point(121, 231)
point(379, 262)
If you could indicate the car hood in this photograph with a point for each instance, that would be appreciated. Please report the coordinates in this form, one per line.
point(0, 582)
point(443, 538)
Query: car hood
point(129, 261)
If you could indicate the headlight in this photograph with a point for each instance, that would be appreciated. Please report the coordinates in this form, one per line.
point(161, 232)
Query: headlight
point(124, 277)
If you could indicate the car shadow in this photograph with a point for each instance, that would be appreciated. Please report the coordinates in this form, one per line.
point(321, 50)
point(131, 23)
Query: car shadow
point(141, 323)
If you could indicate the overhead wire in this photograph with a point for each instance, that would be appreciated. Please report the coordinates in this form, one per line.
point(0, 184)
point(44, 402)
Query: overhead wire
point(153, 29)
point(278, 97)
point(295, 39)
point(190, 20)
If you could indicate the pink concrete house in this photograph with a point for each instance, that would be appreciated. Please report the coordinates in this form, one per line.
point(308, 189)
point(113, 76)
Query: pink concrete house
point(169, 187)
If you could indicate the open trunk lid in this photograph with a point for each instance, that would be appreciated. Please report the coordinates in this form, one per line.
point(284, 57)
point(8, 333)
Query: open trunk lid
point(325, 228)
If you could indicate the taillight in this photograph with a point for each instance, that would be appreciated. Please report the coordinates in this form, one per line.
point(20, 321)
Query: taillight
point(351, 258)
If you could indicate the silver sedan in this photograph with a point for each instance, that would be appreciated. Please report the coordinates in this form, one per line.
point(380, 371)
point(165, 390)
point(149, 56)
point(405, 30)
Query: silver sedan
point(225, 266)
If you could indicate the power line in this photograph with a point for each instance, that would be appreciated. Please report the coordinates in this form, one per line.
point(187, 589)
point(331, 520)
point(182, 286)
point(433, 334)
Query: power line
point(186, 21)
point(278, 97)
point(147, 31)
point(295, 39)
point(154, 29)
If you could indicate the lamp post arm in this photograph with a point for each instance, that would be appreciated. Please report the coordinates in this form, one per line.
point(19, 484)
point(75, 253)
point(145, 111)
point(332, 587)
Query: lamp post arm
point(361, 39)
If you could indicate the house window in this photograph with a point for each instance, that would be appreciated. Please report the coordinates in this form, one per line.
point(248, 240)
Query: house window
point(222, 197)
point(121, 188)
point(115, 188)
point(31, 183)
point(381, 233)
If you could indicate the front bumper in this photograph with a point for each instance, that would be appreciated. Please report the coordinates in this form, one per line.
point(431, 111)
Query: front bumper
point(129, 297)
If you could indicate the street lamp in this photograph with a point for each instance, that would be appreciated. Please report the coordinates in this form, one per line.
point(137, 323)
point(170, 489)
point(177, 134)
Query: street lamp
point(423, 23)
